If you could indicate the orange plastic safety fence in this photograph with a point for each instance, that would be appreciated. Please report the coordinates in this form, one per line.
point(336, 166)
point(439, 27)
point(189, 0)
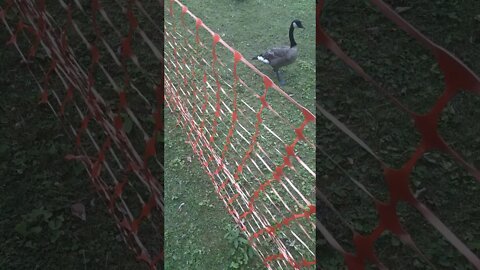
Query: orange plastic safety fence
point(458, 78)
point(260, 161)
point(91, 70)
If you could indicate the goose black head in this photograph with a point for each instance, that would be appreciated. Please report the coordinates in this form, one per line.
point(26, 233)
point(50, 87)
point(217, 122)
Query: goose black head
point(297, 24)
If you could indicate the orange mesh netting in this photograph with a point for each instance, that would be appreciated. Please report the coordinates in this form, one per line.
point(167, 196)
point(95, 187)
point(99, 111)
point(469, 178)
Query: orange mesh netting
point(457, 78)
point(101, 74)
point(259, 157)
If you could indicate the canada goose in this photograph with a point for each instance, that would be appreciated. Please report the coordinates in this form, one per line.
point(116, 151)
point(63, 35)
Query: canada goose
point(281, 56)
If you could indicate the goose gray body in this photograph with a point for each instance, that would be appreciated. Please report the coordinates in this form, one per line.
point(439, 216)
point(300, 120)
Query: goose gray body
point(281, 56)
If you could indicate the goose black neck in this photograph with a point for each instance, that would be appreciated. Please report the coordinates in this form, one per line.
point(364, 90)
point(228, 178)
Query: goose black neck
point(290, 35)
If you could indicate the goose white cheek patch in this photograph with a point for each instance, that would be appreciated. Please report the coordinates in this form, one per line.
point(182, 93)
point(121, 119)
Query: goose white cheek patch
point(263, 59)
point(295, 25)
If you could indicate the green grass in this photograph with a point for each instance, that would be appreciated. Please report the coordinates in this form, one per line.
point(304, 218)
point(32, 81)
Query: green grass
point(250, 27)
point(253, 26)
point(411, 74)
point(38, 186)
point(195, 218)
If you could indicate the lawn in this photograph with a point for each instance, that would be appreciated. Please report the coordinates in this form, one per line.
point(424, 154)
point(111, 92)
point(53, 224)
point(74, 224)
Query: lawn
point(41, 219)
point(410, 73)
point(38, 187)
point(193, 210)
point(253, 26)
point(196, 223)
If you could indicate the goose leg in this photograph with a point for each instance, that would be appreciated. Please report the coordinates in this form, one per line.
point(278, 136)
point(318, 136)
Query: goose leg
point(280, 78)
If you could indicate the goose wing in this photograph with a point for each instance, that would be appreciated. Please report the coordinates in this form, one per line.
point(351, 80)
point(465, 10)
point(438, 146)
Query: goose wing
point(276, 53)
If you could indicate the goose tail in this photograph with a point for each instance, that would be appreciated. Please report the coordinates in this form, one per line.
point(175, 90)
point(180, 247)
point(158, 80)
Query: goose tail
point(261, 59)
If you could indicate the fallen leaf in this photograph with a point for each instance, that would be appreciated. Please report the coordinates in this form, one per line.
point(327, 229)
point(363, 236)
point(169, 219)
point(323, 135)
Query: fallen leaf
point(182, 204)
point(402, 9)
point(78, 210)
